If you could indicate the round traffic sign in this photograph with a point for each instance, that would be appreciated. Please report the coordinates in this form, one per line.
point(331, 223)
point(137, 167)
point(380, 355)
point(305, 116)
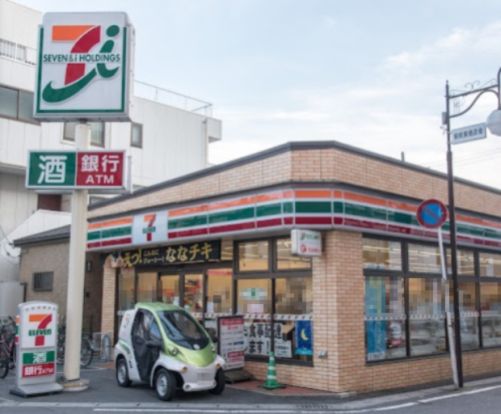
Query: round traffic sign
point(431, 213)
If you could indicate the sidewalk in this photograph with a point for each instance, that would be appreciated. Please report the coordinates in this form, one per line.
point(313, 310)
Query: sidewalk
point(104, 393)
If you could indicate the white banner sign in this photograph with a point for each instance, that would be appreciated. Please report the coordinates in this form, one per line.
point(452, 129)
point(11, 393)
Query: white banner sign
point(231, 341)
point(306, 242)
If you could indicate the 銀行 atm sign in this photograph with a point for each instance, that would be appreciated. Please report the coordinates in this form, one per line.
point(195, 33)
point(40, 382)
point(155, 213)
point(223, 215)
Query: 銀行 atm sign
point(62, 170)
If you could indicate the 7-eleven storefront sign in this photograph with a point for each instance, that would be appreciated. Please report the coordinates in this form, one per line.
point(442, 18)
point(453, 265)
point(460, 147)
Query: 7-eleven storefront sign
point(36, 349)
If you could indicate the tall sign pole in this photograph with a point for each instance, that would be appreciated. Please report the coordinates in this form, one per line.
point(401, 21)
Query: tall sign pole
point(432, 214)
point(453, 241)
point(76, 270)
point(83, 74)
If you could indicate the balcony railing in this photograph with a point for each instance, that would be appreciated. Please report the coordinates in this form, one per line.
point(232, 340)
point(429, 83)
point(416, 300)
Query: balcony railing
point(17, 52)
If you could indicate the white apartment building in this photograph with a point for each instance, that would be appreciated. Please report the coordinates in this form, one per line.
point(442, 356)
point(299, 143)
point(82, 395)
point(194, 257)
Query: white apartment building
point(169, 136)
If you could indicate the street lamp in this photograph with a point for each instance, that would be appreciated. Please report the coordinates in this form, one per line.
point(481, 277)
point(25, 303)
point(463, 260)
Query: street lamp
point(494, 126)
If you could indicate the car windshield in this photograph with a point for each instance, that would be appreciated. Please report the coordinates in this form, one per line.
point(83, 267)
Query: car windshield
point(183, 330)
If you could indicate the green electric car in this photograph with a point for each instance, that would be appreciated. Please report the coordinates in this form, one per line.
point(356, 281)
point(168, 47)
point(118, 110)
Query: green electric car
point(164, 346)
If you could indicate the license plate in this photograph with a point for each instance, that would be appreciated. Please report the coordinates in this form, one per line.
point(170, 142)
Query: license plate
point(204, 376)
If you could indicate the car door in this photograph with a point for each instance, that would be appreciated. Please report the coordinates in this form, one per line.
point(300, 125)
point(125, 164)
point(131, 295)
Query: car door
point(144, 331)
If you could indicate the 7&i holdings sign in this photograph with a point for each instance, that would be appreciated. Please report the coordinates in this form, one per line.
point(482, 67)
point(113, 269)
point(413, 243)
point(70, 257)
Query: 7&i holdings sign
point(84, 66)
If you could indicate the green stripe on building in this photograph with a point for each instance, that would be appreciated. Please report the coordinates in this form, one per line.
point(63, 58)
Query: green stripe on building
point(313, 207)
point(108, 234)
point(187, 222)
point(269, 210)
point(240, 214)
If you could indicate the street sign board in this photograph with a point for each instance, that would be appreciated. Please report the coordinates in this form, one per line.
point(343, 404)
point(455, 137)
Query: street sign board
point(63, 170)
point(231, 341)
point(36, 349)
point(469, 133)
point(431, 214)
point(84, 67)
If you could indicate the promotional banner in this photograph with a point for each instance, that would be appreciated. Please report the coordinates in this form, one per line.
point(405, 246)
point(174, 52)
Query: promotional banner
point(231, 341)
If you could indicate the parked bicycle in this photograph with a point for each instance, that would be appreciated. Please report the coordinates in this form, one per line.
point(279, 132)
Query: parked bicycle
point(86, 350)
point(7, 346)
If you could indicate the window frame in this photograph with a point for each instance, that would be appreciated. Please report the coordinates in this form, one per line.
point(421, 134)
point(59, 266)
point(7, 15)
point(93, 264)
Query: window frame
point(132, 144)
point(31, 120)
point(42, 289)
point(66, 138)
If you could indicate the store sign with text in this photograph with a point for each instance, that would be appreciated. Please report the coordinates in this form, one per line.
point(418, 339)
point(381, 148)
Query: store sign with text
point(68, 170)
point(36, 349)
point(306, 242)
point(84, 67)
point(231, 341)
point(201, 252)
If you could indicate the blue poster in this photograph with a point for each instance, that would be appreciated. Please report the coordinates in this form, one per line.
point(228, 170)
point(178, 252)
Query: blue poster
point(375, 330)
point(304, 338)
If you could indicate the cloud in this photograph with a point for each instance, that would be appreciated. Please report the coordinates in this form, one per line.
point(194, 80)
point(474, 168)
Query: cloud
point(397, 108)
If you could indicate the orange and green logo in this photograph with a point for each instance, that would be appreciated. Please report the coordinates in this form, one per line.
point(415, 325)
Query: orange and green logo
point(92, 56)
point(42, 322)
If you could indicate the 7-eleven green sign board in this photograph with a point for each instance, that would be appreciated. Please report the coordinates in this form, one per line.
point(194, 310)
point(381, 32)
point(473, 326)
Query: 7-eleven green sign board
point(51, 169)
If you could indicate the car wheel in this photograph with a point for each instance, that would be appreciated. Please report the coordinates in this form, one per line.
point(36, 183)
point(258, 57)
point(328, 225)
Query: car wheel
point(122, 373)
point(165, 384)
point(220, 383)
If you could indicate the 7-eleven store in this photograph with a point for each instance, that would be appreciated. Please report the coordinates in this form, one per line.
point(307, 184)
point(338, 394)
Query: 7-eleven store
point(365, 315)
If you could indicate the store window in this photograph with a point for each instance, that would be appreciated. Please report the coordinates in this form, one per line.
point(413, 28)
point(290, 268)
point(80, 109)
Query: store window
point(285, 260)
point(468, 314)
point(381, 254)
point(96, 132)
point(490, 264)
point(384, 318)
point(253, 256)
point(193, 293)
point(293, 325)
point(254, 302)
point(424, 258)
point(219, 291)
point(169, 289)
point(126, 289)
point(426, 316)
point(490, 302)
point(147, 287)
point(465, 260)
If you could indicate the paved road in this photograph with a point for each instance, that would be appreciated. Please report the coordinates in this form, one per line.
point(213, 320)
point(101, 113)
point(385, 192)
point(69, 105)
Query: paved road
point(482, 397)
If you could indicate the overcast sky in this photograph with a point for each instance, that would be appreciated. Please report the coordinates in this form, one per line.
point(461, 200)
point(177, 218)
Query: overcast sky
point(367, 73)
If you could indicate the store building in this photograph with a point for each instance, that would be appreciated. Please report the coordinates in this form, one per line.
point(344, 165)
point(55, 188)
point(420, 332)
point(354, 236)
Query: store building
point(365, 315)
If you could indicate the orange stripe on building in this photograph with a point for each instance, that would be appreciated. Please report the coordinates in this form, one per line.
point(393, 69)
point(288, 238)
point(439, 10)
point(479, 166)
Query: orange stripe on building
point(478, 221)
point(396, 205)
point(313, 193)
point(110, 223)
point(202, 208)
point(263, 198)
point(65, 33)
point(362, 198)
point(239, 202)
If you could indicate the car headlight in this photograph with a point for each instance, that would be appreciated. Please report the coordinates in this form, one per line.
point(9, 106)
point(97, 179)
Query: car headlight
point(174, 351)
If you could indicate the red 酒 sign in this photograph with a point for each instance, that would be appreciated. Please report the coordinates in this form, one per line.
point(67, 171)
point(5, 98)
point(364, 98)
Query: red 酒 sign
point(100, 169)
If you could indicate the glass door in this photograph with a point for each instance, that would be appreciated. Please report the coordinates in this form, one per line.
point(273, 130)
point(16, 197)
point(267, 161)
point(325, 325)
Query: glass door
point(169, 289)
point(147, 286)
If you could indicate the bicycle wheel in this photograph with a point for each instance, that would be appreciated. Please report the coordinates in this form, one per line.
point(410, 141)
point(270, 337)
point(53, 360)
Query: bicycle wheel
point(86, 353)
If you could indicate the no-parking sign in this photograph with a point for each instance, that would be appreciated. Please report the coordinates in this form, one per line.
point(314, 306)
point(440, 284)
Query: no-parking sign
point(431, 213)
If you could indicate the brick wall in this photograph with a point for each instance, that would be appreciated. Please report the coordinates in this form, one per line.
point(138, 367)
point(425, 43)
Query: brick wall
point(54, 258)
